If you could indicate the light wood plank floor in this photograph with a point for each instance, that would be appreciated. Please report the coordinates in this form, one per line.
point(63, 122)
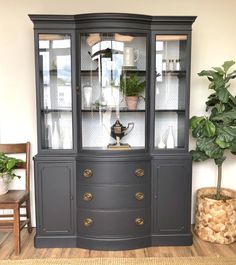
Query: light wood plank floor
point(199, 248)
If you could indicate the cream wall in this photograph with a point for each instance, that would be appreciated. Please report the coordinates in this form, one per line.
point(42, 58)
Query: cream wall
point(214, 40)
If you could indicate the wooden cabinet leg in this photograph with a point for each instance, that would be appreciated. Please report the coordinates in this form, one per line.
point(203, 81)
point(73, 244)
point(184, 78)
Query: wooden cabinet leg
point(28, 214)
point(17, 229)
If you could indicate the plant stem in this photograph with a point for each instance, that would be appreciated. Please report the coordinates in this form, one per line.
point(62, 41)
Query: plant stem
point(218, 190)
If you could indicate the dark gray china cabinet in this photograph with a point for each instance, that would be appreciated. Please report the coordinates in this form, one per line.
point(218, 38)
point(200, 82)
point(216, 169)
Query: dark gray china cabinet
point(112, 170)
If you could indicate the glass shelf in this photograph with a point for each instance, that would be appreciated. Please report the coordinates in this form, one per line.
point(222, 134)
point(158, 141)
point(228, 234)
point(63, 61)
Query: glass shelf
point(55, 110)
point(169, 110)
point(128, 72)
point(171, 73)
point(121, 110)
point(133, 148)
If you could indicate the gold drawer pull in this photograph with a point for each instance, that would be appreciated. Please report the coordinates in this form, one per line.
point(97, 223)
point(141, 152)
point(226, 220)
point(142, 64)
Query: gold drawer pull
point(139, 221)
point(139, 196)
point(139, 172)
point(88, 222)
point(87, 173)
point(87, 196)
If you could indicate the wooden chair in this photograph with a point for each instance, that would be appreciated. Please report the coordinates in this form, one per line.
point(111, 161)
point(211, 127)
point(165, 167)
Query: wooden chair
point(17, 199)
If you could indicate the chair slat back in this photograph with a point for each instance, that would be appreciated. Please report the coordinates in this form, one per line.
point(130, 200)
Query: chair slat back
point(21, 148)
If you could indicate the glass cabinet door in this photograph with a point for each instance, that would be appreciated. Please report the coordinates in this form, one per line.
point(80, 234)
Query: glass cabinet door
point(170, 89)
point(113, 85)
point(55, 88)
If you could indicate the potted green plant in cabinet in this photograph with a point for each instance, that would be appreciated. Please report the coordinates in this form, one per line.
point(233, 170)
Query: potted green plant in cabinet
point(7, 167)
point(132, 88)
point(215, 134)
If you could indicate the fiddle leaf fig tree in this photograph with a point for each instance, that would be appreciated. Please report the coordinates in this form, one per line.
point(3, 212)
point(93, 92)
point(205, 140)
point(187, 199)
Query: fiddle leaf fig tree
point(216, 132)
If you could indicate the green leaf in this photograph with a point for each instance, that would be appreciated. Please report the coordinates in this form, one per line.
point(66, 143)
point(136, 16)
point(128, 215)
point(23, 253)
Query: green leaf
point(198, 131)
point(225, 135)
point(11, 164)
point(209, 146)
point(222, 144)
point(233, 99)
point(226, 116)
point(212, 102)
point(213, 95)
point(227, 65)
point(198, 155)
point(215, 152)
point(219, 70)
point(220, 107)
point(229, 76)
point(209, 128)
point(202, 143)
point(230, 130)
point(195, 121)
point(210, 73)
point(219, 83)
point(223, 95)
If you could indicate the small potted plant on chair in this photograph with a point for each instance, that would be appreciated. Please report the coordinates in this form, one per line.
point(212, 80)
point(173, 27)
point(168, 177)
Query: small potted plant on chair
point(132, 88)
point(215, 134)
point(7, 167)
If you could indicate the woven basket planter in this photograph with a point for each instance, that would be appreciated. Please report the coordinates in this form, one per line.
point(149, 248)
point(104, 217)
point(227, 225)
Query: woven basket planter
point(216, 219)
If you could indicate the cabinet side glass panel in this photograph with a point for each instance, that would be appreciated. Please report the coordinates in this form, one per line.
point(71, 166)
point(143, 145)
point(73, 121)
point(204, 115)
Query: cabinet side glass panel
point(170, 90)
point(113, 85)
point(55, 88)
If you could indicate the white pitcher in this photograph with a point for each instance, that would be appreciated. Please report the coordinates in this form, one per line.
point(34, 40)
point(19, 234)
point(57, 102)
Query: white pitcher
point(130, 56)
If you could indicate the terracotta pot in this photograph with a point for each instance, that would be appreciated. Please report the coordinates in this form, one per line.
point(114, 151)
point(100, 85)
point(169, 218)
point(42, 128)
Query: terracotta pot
point(4, 183)
point(216, 219)
point(131, 102)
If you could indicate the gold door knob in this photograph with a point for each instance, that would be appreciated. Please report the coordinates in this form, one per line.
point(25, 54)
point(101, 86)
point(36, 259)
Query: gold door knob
point(88, 222)
point(87, 196)
point(139, 221)
point(139, 172)
point(87, 173)
point(139, 196)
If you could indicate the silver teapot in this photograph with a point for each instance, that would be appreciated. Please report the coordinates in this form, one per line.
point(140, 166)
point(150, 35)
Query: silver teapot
point(118, 131)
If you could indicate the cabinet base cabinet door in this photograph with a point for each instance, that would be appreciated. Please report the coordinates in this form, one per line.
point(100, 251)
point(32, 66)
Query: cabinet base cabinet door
point(55, 198)
point(171, 198)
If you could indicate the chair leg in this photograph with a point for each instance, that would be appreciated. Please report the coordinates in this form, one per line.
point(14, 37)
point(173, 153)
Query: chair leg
point(17, 229)
point(28, 214)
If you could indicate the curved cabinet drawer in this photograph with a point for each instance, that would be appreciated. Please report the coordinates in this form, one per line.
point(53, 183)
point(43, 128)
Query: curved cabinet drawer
point(113, 223)
point(114, 197)
point(114, 172)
